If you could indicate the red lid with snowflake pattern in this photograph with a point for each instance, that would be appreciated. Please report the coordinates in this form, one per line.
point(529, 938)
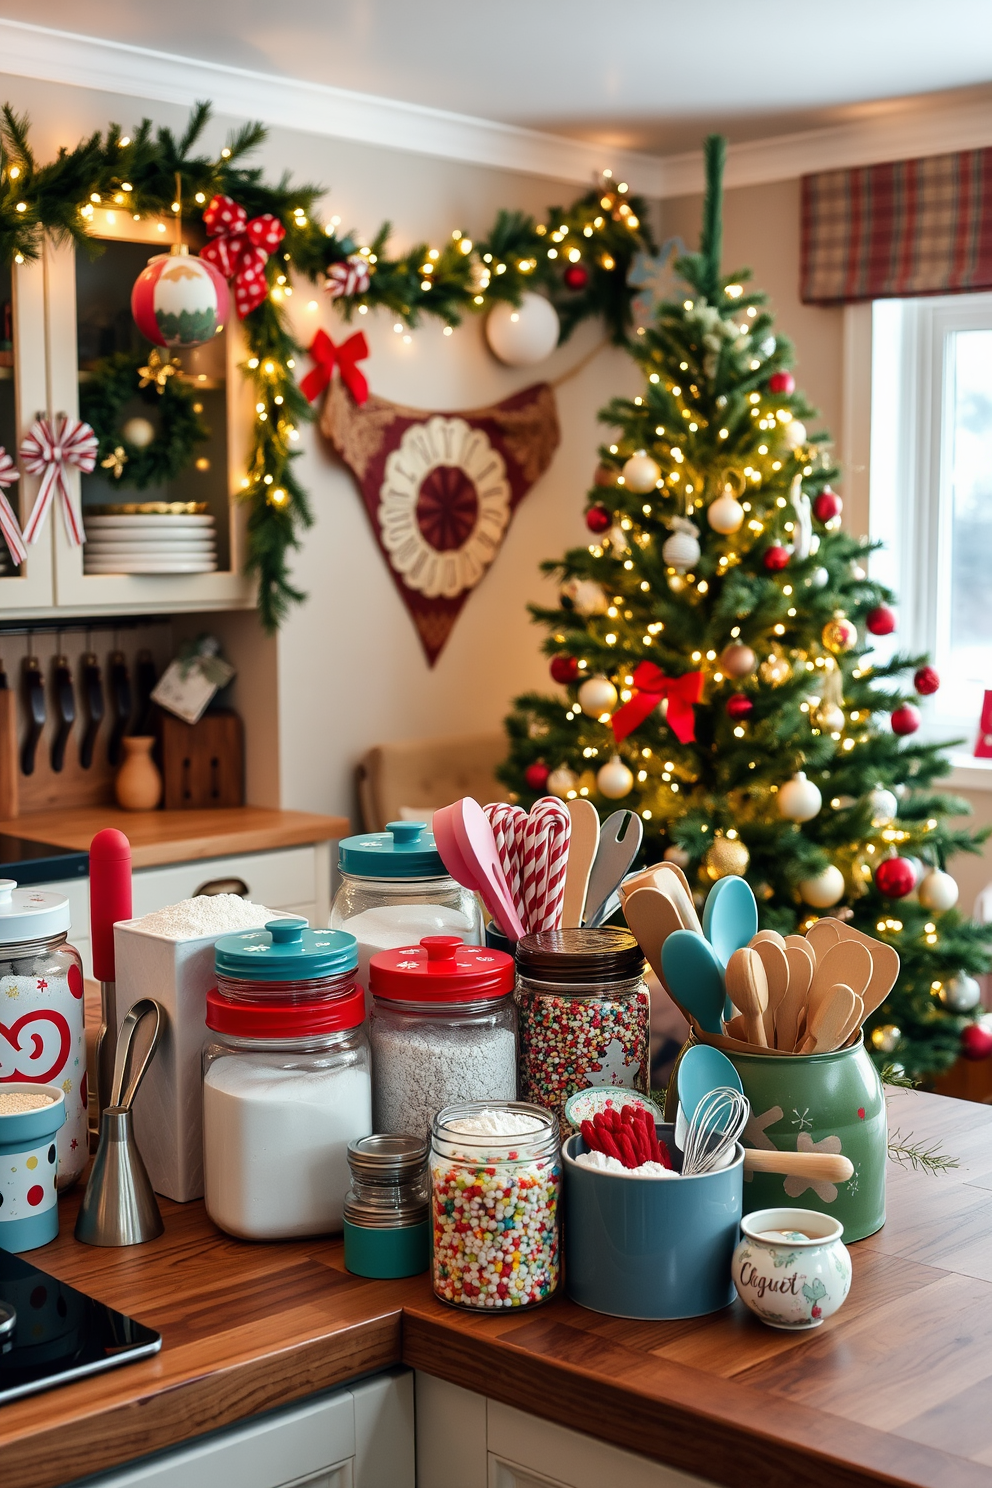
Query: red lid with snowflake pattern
point(441, 969)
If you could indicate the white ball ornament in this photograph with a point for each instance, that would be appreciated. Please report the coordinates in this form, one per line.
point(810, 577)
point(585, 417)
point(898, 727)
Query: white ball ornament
point(138, 431)
point(961, 994)
point(596, 696)
point(799, 799)
point(823, 890)
point(561, 781)
point(681, 551)
point(520, 335)
point(818, 579)
point(725, 514)
point(938, 891)
point(794, 434)
point(614, 779)
point(884, 807)
point(588, 597)
point(641, 474)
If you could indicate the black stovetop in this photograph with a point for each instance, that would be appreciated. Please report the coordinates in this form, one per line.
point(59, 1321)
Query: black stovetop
point(39, 862)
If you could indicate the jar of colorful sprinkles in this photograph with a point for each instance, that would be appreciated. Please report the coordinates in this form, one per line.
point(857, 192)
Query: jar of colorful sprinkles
point(495, 1183)
point(583, 1014)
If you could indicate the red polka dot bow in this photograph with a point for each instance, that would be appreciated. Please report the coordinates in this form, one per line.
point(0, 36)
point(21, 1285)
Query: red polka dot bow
point(9, 525)
point(241, 248)
point(48, 450)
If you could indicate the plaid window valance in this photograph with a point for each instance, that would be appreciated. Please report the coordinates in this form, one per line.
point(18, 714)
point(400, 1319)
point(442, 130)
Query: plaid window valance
point(912, 227)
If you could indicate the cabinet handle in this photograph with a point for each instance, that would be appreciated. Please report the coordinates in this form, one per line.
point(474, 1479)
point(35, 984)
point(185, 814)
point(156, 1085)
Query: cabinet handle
point(65, 711)
point(223, 886)
point(34, 698)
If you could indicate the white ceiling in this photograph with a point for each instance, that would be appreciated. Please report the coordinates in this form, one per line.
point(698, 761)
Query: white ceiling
point(637, 74)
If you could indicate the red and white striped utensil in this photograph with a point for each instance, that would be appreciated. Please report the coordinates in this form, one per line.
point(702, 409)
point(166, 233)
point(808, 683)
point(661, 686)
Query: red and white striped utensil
point(507, 823)
point(545, 859)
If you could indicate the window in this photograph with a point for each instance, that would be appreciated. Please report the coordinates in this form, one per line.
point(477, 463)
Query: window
point(931, 491)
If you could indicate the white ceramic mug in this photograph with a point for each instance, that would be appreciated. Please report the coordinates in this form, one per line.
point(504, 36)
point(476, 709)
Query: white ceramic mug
point(791, 1268)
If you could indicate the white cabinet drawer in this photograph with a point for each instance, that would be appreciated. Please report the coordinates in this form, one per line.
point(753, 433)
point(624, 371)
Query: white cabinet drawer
point(276, 879)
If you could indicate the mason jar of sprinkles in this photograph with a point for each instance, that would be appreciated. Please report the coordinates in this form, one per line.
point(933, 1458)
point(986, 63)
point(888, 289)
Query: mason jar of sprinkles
point(583, 1014)
point(495, 1184)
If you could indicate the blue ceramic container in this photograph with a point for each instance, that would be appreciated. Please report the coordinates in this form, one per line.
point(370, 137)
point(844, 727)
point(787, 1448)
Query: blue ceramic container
point(29, 1214)
point(650, 1247)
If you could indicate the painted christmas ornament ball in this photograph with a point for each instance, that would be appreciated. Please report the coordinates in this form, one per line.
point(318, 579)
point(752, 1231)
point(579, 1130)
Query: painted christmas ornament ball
point(926, 680)
point(827, 505)
point(520, 335)
point(536, 775)
point(839, 634)
point(794, 434)
point(138, 431)
point(905, 719)
point(641, 474)
point(739, 706)
point(727, 856)
point(738, 660)
point(799, 799)
point(976, 1042)
point(782, 382)
point(598, 519)
point(564, 669)
point(179, 301)
point(725, 514)
point(881, 620)
point(825, 889)
point(681, 550)
point(614, 779)
point(561, 781)
point(894, 877)
point(938, 891)
point(775, 557)
point(597, 696)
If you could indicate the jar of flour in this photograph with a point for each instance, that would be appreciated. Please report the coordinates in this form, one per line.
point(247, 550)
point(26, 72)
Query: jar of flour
point(286, 1081)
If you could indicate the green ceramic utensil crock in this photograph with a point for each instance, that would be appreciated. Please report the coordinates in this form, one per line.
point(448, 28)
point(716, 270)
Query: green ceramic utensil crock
point(813, 1103)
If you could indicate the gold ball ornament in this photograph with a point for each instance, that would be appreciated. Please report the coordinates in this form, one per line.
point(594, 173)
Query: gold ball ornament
point(775, 670)
point(725, 515)
point(830, 718)
point(641, 474)
point(561, 781)
point(839, 634)
point(737, 660)
point(596, 696)
point(825, 889)
point(138, 431)
point(886, 1038)
point(614, 779)
point(727, 856)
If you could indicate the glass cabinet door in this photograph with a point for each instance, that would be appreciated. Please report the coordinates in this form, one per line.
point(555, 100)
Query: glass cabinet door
point(29, 586)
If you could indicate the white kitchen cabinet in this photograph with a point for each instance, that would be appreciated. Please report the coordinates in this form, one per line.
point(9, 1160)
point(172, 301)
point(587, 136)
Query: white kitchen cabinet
point(23, 394)
point(360, 1437)
point(467, 1441)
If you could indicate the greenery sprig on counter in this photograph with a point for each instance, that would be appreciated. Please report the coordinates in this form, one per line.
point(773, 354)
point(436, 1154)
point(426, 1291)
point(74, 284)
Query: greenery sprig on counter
point(579, 257)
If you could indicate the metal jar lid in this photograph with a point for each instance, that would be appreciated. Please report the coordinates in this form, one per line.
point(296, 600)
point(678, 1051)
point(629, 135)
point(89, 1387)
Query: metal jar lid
point(394, 1164)
point(606, 954)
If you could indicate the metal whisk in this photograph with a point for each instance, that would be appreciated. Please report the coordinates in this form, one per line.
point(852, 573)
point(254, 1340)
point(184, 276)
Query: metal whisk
point(716, 1124)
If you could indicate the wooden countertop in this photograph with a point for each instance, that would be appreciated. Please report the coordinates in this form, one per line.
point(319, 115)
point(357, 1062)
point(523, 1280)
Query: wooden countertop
point(895, 1389)
point(176, 836)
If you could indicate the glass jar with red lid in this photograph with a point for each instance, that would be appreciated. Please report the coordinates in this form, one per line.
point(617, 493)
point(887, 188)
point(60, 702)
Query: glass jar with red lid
point(443, 1029)
point(286, 1080)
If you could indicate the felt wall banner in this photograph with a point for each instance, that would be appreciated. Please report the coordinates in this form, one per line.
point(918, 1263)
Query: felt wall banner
point(441, 489)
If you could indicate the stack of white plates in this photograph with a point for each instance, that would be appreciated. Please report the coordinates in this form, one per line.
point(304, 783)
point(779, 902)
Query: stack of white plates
point(149, 543)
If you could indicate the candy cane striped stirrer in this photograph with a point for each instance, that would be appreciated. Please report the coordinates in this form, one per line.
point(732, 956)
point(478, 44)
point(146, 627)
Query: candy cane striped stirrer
point(507, 823)
point(47, 450)
point(9, 525)
point(546, 837)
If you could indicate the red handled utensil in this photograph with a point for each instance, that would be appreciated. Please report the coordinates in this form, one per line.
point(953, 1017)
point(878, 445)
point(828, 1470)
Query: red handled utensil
point(110, 901)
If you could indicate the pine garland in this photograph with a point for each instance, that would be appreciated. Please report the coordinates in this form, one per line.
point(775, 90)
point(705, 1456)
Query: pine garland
point(603, 230)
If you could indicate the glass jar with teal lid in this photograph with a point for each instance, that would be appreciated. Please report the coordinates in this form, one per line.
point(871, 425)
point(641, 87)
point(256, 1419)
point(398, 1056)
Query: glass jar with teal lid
point(395, 890)
point(386, 1224)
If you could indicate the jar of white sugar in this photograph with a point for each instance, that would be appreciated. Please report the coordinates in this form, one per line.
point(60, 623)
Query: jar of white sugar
point(395, 889)
point(286, 1081)
point(443, 1029)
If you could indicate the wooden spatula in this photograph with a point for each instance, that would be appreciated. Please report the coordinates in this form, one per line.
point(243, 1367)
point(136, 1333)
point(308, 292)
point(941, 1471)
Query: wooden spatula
point(854, 1022)
point(582, 848)
point(748, 989)
point(671, 880)
point(772, 957)
point(846, 963)
point(769, 935)
point(792, 1009)
point(652, 917)
point(827, 1019)
point(885, 967)
point(821, 936)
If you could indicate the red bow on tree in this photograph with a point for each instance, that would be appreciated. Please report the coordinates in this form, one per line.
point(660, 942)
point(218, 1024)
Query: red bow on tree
point(345, 357)
point(241, 249)
point(652, 686)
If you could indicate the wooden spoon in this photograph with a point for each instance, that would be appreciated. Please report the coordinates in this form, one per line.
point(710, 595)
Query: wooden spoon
point(827, 1020)
point(583, 845)
point(825, 1167)
point(845, 963)
point(672, 881)
point(773, 958)
point(748, 989)
point(821, 936)
point(770, 935)
point(885, 967)
point(791, 1011)
point(854, 1023)
point(652, 918)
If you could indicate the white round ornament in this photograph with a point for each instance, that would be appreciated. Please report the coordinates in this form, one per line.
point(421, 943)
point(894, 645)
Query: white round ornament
point(823, 890)
point(818, 579)
point(725, 514)
point(138, 431)
point(677, 855)
point(641, 474)
point(799, 799)
point(520, 335)
point(794, 434)
point(961, 994)
point(682, 550)
point(614, 779)
point(588, 597)
point(938, 891)
point(884, 807)
point(596, 696)
point(561, 781)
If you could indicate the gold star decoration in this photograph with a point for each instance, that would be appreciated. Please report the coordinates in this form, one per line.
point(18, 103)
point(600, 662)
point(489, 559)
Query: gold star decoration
point(158, 372)
point(115, 462)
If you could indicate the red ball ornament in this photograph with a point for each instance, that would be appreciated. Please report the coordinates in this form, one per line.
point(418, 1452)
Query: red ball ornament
point(179, 301)
point(881, 620)
point(827, 505)
point(776, 557)
point(782, 382)
point(536, 775)
point(895, 878)
point(576, 276)
point(905, 719)
point(926, 680)
point(564, 669)
point(598, 519)
point(976, 1043)
point(739, 706)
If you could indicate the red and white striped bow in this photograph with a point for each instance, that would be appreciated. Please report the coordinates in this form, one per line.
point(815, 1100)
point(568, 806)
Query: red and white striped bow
point(241, 248)
point(47, 451)
point(9, 525)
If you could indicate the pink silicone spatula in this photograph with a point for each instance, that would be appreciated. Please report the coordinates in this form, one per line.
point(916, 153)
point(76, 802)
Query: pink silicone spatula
point(468, 849)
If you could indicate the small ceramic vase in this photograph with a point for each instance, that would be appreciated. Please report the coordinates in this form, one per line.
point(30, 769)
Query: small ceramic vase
point(138, 786)
point(791, 1267)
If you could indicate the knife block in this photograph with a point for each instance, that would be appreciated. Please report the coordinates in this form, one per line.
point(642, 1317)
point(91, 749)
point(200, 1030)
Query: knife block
point(203, 764)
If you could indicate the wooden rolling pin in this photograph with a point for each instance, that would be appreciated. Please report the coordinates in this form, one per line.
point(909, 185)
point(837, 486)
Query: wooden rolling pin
point(825, 1167)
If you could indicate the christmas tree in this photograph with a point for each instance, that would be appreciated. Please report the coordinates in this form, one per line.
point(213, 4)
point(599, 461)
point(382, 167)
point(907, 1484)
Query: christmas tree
point(714, 647)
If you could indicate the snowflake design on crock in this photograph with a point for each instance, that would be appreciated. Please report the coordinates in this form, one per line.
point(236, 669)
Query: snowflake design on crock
point(250, 949)
point(615, 1067)
point(794, 1185)
point(801, 1119)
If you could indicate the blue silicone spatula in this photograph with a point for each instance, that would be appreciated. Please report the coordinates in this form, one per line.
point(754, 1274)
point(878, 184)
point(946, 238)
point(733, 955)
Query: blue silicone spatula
point(695, 977)
point(730, 916)
point(701, 1070)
